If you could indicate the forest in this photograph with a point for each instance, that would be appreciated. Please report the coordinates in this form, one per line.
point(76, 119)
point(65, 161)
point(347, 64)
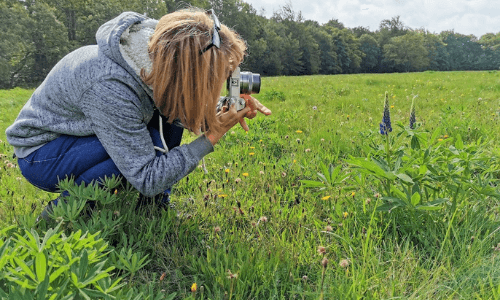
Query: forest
point(35, 34)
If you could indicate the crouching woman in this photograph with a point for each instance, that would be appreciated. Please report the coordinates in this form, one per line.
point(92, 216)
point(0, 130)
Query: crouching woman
point(120, 107)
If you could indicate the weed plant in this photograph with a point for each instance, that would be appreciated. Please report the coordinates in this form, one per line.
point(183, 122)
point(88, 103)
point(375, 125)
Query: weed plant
point(312, 203)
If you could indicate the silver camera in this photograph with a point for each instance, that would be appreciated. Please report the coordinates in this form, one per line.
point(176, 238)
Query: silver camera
point(239, 83)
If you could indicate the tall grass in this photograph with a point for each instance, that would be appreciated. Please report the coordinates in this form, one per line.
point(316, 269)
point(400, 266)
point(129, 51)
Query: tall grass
point(250, 229)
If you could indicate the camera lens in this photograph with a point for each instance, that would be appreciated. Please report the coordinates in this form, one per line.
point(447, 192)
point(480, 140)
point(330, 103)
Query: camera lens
point(249, 83)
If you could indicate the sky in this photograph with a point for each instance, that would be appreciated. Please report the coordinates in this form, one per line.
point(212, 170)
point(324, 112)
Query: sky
point(475, 17)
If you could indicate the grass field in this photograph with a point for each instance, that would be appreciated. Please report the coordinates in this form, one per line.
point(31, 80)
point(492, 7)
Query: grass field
point(312, 203)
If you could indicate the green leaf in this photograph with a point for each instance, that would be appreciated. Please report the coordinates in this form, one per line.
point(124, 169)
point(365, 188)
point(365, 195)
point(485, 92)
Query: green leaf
point(25, 268)
point(459, 143)
point(435, 134)
point(388, 206)
point(415, 144)
point(41, 266)
point(415, 199)
point(404, 177)
point(312, 183)
point(433, 205)
point(54, 275)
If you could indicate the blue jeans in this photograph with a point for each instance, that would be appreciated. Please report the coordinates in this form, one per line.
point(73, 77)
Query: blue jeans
point(83, 158)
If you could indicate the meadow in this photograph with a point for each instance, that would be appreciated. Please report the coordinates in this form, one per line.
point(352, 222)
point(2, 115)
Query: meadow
point(312, 203)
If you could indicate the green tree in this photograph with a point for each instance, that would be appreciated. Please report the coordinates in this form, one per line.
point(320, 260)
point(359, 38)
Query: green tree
point(438, 57)
point(369, 46)
point(491, 41)
point(16, 49)
point(407, 52)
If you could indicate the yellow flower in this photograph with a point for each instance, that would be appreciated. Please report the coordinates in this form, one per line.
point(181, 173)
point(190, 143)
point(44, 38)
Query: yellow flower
point(392, 106)
point(353, 194)
point(299, 131)
point(227, 170)
point(245, 174)
point(193, 287)
point(326, 198)
point(252, 147)
point(440, 140)
point(445, 136)
point(251, 153)
point(346, 214)
point(294, 161)
point(222, 196)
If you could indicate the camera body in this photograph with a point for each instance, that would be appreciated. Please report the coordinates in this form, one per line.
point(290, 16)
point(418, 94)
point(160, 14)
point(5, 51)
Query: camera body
point(239, 83)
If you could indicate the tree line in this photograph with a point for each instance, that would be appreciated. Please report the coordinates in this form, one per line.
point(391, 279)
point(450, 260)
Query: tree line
point(35, 34)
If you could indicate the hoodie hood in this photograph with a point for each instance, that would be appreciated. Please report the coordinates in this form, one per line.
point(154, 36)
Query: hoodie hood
point(124, 40)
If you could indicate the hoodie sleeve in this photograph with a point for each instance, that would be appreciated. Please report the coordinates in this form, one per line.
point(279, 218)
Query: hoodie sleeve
point(119, 124)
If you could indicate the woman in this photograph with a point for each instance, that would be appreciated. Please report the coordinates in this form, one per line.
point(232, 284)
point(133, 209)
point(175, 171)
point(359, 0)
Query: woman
point(94, 114)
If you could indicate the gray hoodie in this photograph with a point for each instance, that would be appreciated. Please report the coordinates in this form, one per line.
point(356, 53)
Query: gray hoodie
point(96, 90)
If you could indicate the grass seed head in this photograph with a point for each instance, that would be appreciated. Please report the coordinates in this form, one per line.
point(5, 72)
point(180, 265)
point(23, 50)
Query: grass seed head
point(324, 262)
point(344, 263)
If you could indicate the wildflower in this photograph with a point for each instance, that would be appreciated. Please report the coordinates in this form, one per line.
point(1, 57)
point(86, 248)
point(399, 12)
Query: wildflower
point(299, 131)
point(344, 263)
point(251, 153)
point(445, 136)
point(286, 136)
point(315, 107)
point(298, 141)
point(322, 140)
point(10, 165)
point(308, 150)
point(385, 125)
point(353, 194)
point(328, 228)
point(412, 113)
point(326, 198)
point(231, 275)
point(283, 174)
point(222, 196)
point(245, 174)
point(233, 132)
point(368, 200)
point(321, 250)
point(263, 219)
point(226, 170)
point(193, 287)
point(237, 180)
point(261, 172)
point(216, 229)
point(345, 214)
point(440, 140)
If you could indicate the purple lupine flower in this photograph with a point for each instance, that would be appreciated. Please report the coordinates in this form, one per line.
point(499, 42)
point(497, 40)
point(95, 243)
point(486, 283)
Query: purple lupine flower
point(412, 113)
point(385, 125)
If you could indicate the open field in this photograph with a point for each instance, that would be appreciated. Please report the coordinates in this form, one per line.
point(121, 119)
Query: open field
point(414, 214)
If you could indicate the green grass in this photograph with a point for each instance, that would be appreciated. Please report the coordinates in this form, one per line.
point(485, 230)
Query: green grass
point(251, 215)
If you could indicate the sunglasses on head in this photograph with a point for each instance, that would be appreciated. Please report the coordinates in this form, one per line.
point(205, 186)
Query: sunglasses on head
point(215, 35)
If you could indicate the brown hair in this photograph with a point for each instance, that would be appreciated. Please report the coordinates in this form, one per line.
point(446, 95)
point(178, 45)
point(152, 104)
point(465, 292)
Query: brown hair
point(186, 84)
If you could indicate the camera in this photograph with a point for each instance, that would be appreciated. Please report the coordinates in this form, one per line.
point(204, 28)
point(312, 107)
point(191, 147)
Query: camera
point(239, 83)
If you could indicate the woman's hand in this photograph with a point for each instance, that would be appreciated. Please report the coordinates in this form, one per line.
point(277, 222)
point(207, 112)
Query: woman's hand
point(255, 106)
point(228, 118)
